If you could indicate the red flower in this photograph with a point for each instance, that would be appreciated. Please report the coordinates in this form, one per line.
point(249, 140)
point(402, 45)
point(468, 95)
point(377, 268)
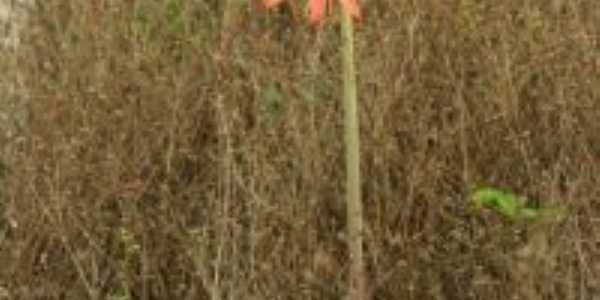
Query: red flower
point(317, 9)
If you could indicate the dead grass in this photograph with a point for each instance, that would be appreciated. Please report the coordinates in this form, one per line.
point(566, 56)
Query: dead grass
point(158, 164)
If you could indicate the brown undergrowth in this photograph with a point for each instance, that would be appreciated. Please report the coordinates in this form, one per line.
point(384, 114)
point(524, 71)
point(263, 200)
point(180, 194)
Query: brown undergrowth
point(159, 162)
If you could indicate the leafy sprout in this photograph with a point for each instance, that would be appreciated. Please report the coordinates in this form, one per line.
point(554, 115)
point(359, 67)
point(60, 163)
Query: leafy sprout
point(510, 205)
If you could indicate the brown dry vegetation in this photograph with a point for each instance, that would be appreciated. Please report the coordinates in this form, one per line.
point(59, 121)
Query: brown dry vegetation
point(168, 158)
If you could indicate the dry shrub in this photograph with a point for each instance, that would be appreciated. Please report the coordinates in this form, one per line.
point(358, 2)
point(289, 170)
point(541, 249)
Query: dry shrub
point(163, 161)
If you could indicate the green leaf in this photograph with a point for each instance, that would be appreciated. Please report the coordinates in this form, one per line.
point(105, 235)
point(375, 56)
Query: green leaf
point(505, 203)
point(512, 206)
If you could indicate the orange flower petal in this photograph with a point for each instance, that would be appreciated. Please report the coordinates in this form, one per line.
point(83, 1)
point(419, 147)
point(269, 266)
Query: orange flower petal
point(316, 10)
point(319, 8)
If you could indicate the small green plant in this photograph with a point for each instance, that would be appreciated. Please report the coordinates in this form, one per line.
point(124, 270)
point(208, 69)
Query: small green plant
point(510, 205)
point(132, 250)
point(537, 251)
point(272, 101)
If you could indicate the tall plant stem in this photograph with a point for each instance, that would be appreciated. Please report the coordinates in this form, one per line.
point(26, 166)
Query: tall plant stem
point(354, 213)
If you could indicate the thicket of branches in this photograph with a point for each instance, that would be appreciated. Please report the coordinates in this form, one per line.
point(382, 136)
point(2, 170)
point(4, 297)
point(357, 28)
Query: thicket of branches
point(168, 157)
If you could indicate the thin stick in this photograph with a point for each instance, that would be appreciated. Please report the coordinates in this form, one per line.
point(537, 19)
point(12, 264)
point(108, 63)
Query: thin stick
point(354, 213)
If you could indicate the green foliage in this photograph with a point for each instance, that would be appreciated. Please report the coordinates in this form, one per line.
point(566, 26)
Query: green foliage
point(175, 16)
point(511, 206)
point(502, 202)
point(272, 101)
point(132, 249)
point(470, 14)
point(170, 18)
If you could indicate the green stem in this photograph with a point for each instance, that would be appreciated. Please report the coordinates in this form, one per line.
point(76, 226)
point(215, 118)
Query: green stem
point(357, 282)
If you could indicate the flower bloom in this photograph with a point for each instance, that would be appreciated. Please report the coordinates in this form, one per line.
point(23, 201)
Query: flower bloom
point(317, 9)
